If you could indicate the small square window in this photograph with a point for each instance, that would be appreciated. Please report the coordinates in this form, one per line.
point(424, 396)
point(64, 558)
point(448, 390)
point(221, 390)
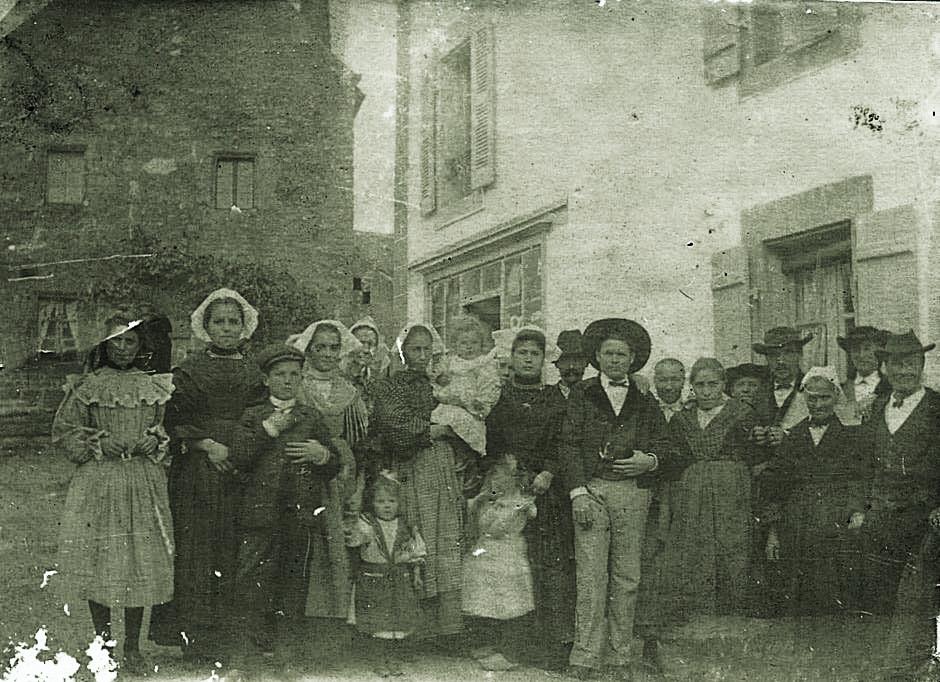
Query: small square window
point(235, 182)
point(65, 176)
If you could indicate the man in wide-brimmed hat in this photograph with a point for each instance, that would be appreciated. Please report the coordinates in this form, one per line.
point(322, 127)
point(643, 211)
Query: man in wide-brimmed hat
point(783, 348)
point(614, 447)
point(865, 380)
point(904, 430)
point(572, 362)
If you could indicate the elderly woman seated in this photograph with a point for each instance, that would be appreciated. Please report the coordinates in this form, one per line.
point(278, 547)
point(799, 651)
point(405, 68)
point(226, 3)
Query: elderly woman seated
point(819, 479)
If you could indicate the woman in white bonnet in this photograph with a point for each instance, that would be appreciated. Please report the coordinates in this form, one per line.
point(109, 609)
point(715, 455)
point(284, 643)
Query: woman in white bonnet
point(213, 387)
point(819, 478)
point(325, 343)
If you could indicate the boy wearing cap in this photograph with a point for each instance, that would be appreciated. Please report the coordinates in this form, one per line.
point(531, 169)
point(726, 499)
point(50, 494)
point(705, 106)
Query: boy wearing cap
point(283, 494)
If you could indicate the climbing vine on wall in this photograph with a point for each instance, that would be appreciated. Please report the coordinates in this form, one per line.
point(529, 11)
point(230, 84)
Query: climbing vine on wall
point(187, 276)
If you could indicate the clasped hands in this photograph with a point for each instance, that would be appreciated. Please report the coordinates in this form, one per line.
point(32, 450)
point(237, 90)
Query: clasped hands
point(147, 446)
point(305, 452)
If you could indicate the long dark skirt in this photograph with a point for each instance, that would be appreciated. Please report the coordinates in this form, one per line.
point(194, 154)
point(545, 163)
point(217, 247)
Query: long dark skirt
point(204, 505)
point(550, 542)
point(822, 557)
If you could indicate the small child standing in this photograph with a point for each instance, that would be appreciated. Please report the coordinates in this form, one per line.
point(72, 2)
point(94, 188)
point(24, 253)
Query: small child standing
point(388, 577)
point(497, 584)
point(283, 495)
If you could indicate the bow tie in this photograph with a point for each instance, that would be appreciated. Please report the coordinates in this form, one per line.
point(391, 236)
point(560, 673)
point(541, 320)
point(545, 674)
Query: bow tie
point(780, 387)
point(898, 401)
point(620, 384)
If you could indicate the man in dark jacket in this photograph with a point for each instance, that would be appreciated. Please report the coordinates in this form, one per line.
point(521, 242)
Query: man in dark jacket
point(614, 447)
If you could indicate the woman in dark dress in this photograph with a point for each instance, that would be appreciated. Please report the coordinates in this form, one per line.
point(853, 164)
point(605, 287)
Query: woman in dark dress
point(212, 390)
point(819, 478)
point(525, 423)
point(705, 568)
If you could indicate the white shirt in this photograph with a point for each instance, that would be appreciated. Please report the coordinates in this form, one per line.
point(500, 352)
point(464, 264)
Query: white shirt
point(865, 386)
point(781, 394)
point(817, 432)
point(284, 406)
point(563, 387)
point(896, 416)
point(705, 416)
point(670, 410)
point(617, 395)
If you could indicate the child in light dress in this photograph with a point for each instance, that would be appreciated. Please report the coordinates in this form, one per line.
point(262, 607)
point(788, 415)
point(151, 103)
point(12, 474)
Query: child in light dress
point(388, 578)
point(497, 583)
point(466, 383)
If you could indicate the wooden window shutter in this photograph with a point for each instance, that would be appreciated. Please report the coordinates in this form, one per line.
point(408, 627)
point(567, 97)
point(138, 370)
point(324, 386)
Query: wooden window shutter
point(731, 305)
point(884, 264)
point(482, 106)
point(721, 42)
point(245, 187)
point(75, 178)
point(56, 178)
point(805, 24)
point(429, 139)
point(224, 183)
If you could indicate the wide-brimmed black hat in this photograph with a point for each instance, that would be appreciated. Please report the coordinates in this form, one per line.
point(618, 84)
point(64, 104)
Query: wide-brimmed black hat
point(570, 344)
point(621, 329)
point(904, 344)
point(747, 369)
point(278, 352)
point(861, 335)
point(781, 338)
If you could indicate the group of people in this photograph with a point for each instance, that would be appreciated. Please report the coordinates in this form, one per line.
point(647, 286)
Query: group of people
point(423, 494)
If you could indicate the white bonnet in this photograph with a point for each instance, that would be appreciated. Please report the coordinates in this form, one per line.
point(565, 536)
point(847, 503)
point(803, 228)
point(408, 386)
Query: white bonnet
point(348, 342)
point(249, 312)
point(827, 374)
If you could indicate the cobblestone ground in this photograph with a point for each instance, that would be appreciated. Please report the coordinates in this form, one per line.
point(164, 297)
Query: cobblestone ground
point(32, 490)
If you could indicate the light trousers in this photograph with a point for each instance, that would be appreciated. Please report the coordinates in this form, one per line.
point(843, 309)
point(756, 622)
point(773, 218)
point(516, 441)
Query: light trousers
point(607, 556)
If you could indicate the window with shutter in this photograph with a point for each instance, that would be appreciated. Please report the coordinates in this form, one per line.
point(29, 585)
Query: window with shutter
point(235, 181)
point(453, 137)
point(764, 44)
point(65, 176)
point(458, 137)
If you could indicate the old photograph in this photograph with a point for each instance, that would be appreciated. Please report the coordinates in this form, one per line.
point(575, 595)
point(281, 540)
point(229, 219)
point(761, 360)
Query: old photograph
point(505, 340)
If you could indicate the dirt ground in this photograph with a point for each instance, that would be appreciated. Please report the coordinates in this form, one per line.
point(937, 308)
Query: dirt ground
point(32, 491)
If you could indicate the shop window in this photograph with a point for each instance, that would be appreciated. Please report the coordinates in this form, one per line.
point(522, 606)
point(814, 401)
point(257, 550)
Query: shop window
point(504, 293)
